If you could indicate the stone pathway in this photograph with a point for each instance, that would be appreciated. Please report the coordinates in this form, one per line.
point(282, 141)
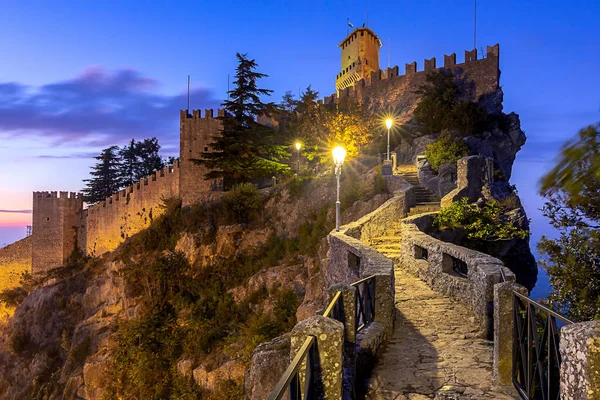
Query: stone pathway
point(425, 201)
point(434, 352)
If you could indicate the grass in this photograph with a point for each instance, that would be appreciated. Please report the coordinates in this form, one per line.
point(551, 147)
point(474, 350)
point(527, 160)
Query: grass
point(10, 275)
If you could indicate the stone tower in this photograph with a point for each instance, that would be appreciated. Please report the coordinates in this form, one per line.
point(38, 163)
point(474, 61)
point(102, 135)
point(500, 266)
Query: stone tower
point(55, 222)
point(196, 134)
point(360, 57)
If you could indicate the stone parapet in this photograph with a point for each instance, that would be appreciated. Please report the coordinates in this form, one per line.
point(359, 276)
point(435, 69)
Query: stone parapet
point(464, 274)
point(580, 368)
point(503, 330)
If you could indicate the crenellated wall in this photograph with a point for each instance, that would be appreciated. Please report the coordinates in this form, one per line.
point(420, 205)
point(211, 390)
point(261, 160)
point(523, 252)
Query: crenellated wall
point(110, 222)
point(386, 89)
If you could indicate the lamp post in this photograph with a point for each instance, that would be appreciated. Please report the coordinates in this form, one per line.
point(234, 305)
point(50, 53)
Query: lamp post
point(339, 153)
point(388, 123)
point(298, 146)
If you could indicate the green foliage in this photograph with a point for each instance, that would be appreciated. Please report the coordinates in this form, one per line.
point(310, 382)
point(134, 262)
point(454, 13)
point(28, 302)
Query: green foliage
point(105, 178)
point(119, 168)
point(245, 150)
point(441, 106)
point(485, 222)
point(297, 184)
point(572, 192)
point(244, 201)
point(445, 149)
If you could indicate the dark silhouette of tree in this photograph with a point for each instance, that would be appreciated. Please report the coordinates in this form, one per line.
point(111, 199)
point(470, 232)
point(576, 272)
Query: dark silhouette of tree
point(106, 176)
point(245, 150)
point(572, 191)
point(138, 160)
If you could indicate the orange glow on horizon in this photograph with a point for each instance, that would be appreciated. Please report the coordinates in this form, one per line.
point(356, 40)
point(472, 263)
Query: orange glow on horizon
point(14, 219)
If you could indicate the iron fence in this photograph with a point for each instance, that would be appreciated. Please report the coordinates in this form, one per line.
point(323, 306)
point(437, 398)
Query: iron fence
point(334, 309)
point(536, 356)
point(290, 381)
point(364, 302)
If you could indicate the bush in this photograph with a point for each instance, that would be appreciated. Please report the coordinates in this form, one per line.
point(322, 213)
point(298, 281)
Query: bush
point(446, 149)
point(441, 108)
point(484, 223)
point(244, 201)
point(297, 184)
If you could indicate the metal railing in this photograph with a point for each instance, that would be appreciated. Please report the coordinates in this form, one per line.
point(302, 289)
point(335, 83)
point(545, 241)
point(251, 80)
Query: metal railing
point(536, 357)
point(364, 302)
point(291, 377)
point(365, 314)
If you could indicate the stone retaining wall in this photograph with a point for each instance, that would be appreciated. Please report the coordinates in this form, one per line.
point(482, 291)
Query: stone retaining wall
point(434, 261)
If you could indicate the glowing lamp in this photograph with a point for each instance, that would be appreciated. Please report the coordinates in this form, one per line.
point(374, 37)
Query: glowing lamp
point(298, 145)
point(389, 122)
point(339, 153)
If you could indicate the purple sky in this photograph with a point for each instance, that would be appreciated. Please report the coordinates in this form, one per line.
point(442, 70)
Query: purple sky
point(78, 76)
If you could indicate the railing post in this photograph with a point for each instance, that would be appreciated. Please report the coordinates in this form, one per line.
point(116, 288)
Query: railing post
point(348, 309)
point(503, 331)
point(580, 367)
point(384, 303)
point(328, 372)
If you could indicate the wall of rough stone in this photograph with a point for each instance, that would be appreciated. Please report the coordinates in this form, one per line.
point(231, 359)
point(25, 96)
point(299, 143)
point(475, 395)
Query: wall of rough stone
point(389, 89)
point(18, 253)
point(435, 267)
point(55, 222)
point(196, 136)
point(127, 212)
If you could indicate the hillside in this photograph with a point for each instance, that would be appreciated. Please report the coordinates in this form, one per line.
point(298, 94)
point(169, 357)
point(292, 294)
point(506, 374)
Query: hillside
point(13, 264)
point(191, 296)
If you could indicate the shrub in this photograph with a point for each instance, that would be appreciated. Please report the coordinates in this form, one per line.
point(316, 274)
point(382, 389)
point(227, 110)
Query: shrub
point(297, 184)
point(446, 149)
point(440, 106)
point(485, 223)
point(244, 201)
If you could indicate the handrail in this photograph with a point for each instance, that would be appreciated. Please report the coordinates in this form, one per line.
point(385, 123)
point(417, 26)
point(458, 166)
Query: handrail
point(543, 308)
point(290, 377)
point(362, 280)
point(332, 305)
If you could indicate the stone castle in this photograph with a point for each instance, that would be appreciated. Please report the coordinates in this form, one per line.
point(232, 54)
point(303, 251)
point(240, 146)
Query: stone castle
point(61, 224)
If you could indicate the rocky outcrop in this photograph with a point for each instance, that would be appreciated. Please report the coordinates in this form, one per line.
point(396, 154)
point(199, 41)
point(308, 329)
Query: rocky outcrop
point(231, 370)
point(441, 183)
point(269, 362)
point(411, 147)
point(501, 142)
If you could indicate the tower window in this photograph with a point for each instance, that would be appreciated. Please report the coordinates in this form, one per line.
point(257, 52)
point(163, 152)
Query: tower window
point(205, 149)
point(47, 219)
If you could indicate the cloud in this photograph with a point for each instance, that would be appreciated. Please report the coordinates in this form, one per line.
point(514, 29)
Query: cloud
point(71, 156)
point(16, 211)
point(98, 107)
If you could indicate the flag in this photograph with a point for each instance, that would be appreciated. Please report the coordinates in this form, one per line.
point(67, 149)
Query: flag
point(350, 23)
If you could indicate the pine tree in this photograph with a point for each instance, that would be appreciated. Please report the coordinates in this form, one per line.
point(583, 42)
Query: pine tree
point(106, 176)
point(129, 164)
point(245, 150)
point(148, 158)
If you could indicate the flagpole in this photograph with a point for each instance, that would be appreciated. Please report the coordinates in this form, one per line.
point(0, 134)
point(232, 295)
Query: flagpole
point(475, 26)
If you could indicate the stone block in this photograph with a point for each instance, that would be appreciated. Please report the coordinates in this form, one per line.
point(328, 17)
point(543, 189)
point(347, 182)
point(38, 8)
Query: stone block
point(269, 362)
point(580, 368)
point(329, 335)
point(348, 305)
point(384, 302)
point(503, 330)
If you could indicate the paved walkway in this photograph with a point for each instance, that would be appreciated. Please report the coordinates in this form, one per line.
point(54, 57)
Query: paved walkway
point(434, 353)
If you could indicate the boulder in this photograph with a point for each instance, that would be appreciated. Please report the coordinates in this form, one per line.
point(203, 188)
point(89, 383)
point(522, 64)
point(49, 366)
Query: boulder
point(501, 142)
point(232, 370)
point(269, 362)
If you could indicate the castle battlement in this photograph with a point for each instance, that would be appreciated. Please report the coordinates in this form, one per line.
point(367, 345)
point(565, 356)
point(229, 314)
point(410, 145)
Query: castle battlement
point(58, 195)
point(392, 75)
point(208, 114)
point(169, 172)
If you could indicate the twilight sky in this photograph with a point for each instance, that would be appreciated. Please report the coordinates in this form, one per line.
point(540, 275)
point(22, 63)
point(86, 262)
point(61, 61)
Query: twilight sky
point(76, 76)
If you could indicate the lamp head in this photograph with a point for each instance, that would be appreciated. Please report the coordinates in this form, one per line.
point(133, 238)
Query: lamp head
point(298, 145)
point(389, 122)
point(339, 153)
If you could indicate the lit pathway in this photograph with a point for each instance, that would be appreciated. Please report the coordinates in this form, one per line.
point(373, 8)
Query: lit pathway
point(433, 353)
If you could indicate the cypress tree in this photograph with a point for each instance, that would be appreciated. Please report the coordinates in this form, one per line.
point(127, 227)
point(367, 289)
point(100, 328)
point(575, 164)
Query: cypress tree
point(106, 176)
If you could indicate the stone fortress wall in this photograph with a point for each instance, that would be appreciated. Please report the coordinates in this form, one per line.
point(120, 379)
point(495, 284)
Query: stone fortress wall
point(130, 210)
point(386, 89)
point(55, 221)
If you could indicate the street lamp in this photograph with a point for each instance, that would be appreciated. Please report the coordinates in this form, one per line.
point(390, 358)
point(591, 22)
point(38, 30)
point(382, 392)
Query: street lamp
point(339, 153)
point(298, 146)
point(388, 123)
